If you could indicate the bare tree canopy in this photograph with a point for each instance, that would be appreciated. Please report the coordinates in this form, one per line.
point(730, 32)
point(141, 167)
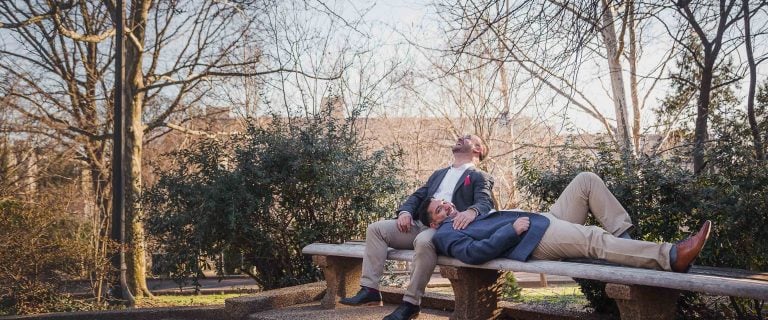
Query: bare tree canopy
point(528, 76)
point(57, 58)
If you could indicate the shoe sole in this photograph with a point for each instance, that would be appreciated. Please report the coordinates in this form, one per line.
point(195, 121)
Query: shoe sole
point(366, 304)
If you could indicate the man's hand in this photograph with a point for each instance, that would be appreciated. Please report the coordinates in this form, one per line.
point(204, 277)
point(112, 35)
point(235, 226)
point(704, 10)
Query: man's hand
point(462, 219)
point(404, 222)
point(521, 225)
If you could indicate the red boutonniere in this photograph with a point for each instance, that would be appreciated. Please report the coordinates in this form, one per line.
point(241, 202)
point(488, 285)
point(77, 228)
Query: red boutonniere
point(466, 181)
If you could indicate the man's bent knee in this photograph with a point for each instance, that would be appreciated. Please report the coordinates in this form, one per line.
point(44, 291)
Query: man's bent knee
point(375, 229)
point(423, 243)
point(586, 175)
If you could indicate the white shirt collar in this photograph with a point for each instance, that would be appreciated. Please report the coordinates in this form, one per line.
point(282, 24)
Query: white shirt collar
point(463, 166)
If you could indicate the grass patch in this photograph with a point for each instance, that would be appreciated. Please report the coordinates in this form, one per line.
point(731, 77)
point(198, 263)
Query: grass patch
point(185, 300)
point(561, 295)
point(564, 296)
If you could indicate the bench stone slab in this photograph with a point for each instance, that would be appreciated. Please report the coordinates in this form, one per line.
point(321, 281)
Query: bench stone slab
point(640, 293)
point(747, 284)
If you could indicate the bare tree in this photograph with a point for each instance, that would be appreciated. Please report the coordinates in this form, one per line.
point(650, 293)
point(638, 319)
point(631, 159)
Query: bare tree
point(551, 40)
point(176, 53)
point(752, 65)
point(57, 89)
point(712, 23)
point(207, 37)
point(479, 95)
point(711, 49)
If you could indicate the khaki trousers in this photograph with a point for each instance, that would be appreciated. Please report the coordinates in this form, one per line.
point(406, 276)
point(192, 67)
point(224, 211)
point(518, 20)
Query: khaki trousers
point(383, 234)
point(567, 237)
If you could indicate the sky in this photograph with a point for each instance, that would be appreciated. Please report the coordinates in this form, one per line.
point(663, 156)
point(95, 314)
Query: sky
point(417, 21)
point(397, 39)
point(393, 22)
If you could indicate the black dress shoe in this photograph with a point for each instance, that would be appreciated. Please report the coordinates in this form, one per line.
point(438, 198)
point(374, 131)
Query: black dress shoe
point(405, 311)
point(365, 297)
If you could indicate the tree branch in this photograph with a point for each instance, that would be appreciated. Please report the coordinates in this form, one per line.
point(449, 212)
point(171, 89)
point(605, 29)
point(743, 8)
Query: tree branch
point(39, 17)
point(194, 132)
point(203, 75)
point(92, 38)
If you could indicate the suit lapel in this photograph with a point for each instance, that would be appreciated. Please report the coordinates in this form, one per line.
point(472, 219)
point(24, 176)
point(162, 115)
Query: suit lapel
point(461, 179)
point(436, 183)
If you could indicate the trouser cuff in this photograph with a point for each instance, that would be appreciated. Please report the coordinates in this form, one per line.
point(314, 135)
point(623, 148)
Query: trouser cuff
point(411, 300)
point(625, 228)
point(369, 284)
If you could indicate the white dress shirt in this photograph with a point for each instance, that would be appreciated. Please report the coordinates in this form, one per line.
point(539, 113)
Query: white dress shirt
point(445, 190)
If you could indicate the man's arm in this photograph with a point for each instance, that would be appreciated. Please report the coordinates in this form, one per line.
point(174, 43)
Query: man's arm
point(461, 246)
point(405, 214)
point(414, 200)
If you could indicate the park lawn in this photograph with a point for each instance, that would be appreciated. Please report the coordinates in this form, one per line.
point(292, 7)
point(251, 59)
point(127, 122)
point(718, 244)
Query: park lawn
point(564, 295)
point(185, 300)
point(559, 295)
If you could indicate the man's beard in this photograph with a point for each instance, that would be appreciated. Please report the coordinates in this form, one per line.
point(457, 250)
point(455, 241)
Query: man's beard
point(461, 149)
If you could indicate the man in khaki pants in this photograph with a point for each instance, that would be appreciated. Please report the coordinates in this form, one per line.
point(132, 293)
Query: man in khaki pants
point(560, 233)
point(461, 183)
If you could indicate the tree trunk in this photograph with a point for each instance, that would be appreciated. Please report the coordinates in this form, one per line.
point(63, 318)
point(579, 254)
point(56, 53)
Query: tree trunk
point(633, 78)
point(136, 256)
point(98, 203)
point(511, 200)
point(756, 139)
point(134, 229)
point(617, 79)
point(701, 134)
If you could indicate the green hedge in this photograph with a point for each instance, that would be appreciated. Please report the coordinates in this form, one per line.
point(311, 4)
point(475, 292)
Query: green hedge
point(667, 202)
point(269, 192)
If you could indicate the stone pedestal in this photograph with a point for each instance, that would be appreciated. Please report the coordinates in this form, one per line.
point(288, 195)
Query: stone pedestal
point(476, 291)
point(342, 276)
point(642, 302)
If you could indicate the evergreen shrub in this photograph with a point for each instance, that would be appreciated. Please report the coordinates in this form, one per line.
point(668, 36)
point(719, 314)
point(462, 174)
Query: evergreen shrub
point(267, 193)
point(667, 202)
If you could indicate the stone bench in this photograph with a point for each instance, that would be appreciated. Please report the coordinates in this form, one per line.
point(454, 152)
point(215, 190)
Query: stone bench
point(639, 293)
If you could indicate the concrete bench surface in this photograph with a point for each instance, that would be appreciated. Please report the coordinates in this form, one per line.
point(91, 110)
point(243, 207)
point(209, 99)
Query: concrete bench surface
point(634, 289)
point(717, 281)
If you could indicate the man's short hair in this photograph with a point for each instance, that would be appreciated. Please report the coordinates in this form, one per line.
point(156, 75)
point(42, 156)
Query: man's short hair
point(422, 212)
point(483, 147)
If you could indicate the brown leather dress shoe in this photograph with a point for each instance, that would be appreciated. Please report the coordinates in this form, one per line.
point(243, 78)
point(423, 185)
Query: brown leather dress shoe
point(689, 249)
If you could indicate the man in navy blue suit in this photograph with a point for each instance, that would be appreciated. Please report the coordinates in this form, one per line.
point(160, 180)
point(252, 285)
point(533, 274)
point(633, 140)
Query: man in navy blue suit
point(461, 183)
point(560, 233)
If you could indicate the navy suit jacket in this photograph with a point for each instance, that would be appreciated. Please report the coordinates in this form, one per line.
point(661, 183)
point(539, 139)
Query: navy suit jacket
point(473, 190)
point(489, 237)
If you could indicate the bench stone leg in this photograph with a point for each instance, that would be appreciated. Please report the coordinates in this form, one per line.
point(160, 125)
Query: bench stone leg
point(476, 292)
point(642, 302)
point(342, 276)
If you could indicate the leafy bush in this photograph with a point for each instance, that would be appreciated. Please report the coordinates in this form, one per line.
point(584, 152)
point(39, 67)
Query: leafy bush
point(269, 192)
point(667, 202)
point(39, 248)
point(511, 290)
